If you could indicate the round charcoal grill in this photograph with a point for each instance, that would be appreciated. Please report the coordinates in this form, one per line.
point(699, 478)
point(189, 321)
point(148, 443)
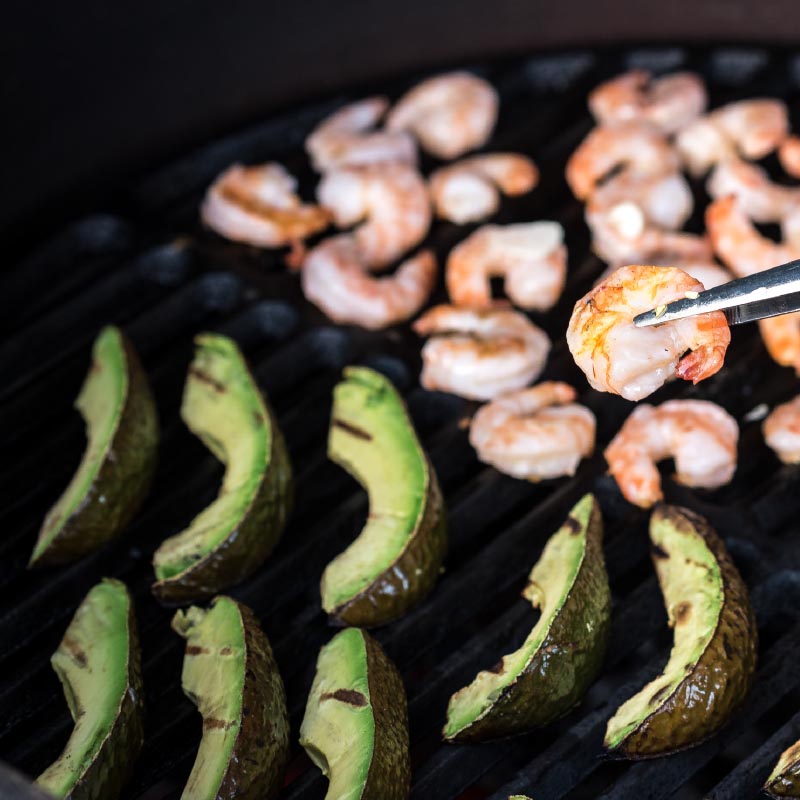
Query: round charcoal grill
point(145, 263)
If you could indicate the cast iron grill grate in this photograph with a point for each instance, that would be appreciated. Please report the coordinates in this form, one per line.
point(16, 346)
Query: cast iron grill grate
point(151, 268)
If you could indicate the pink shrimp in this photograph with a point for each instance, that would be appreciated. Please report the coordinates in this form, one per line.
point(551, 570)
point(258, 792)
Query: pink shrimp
point(789, 155)
point(258, 206)
point(782, 431)
point(449, 114)
point(531, 257)
point(668, 103)
point(335, 280)
point(618, 357)
point(346, 138)
point(700, 436)
point(469, 190)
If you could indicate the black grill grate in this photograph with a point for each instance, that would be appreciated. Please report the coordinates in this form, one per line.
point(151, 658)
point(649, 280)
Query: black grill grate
point(150, 267)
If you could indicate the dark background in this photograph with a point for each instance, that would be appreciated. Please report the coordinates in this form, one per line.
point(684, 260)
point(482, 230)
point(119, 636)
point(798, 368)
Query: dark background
point(93, 90)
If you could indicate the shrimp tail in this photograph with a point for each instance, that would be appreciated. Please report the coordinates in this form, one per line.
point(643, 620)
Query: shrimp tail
point(701, 363)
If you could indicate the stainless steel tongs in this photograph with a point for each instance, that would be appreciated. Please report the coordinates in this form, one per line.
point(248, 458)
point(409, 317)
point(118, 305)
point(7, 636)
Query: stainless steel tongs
point(769, 293)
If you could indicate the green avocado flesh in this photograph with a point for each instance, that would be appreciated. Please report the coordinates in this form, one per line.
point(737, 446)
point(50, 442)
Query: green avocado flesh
point(213, 678)
point(691, 582)
point(338, 729)
point(397, 556)
point(554, 578)
point(785, 778)
point(223, 407)
point(100, 403)
point(93, 664)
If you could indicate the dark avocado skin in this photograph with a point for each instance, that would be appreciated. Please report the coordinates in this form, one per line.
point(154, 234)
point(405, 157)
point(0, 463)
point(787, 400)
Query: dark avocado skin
point(720, 680)
point(411, 577)
point(261, 751)
point(123, 480)
point(246, 548)
point(787, 784)
point(389, 776)
point(116, 758)
point(569, 657)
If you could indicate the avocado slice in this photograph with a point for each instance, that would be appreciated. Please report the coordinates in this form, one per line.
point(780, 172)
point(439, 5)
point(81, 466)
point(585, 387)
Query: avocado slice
point(230, 674)
point(232, 537)
point(396, 558)
point(118, 464)
point(785, 778)
point(99, 665)
point(549, 674)
point(713, 658)
point(355, 728)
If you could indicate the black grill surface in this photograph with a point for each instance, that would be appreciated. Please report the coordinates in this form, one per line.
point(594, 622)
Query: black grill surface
point(147, 265)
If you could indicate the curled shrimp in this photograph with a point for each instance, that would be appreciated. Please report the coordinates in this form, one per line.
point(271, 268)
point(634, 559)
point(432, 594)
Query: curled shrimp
point(609, 147)
point(789, 155)
point(700, 436)
point(781, 337)
point(633, 362)
point(756, 195)
point(739, 244)
point(480, 353)
point(469, 190)
point(391, 198)
point(258, 206)
point(449, 114)
point(749, 128)
point(632, 216)
point(668, 103)
point(782, 431)
point(535, 433)
point(346, 138)
point(337, 282)
point(530, 256)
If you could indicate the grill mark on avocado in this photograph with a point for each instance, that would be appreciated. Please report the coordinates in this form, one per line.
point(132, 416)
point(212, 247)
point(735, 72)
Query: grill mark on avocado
point(359, 433)
point(658, 552)
point(349, 696)
point(573, 526)
point(197, 650)
point(682, 612)
point(497, 668)
point(221, 724)
point(75, 651)
point(204, 377)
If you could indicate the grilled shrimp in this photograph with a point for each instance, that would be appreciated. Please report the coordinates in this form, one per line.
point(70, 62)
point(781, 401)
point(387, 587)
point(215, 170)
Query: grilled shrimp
point(391, 198)
point(530, 255)
point(467, 191)
point(336, 281)
point(633, 362)
point(782, 431)
point(258, 206)
point(346, 138)
point(789, 155)
point(756, 195)
point(668, 103)
point(632, 216)
point(535, 433)
point(608, 147)
point(700, 436)
point(749, 128)
point(480, 353)
point(739, 244)
point(781, 336)
point(449, 114)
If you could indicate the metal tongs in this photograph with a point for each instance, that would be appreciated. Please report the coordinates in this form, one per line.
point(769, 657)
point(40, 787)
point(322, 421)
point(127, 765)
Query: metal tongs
point(769, 293)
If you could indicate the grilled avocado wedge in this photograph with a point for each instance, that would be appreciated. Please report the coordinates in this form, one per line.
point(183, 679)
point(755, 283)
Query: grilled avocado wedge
point(232, 537)
point(549, 674)
point(99, 665)
point(785, 778)
point(118, 464)
point(396, 558)
point(229, 673)
point(713, 658)
point(355, 727)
